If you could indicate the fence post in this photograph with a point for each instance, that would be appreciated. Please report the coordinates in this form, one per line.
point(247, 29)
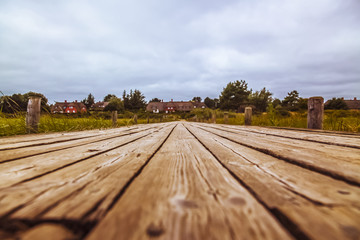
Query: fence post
point(135, 118)
point(248, 115)
point(147, 119)
point(114, 116)
point(226, 117)
point(213, 116)
point(315, 115)
point(33, 114)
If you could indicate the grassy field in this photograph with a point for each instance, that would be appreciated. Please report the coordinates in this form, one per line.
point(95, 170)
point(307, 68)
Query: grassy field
point(336, 120)
point(15, 124)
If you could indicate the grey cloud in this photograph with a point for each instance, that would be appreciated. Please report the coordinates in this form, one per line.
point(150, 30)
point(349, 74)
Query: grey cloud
point(179, 49)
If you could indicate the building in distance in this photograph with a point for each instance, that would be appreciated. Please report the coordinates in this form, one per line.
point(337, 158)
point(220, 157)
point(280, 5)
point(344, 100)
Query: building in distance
point(173, 106)
point(68, 107)
point(99, 106)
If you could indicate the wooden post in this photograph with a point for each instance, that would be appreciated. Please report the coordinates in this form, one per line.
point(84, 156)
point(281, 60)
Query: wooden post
point(135, 118)
point(315, 115)
point(148, 119)
point(248, 115)
point(114, 116)
point(213, 117)
point(226, 117)
point(33, 114)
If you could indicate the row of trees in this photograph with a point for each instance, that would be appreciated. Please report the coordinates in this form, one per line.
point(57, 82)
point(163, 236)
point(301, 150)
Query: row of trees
point(133, 101)
point(235, 96)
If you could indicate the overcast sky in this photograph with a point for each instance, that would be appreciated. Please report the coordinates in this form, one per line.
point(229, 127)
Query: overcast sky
point(179, 49)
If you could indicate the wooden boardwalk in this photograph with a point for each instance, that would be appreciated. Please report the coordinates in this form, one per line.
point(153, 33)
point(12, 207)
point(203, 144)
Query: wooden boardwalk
point(181, 180)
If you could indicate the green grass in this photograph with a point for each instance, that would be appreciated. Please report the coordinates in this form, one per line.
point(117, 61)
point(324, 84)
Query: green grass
point(14, 124)
point(334, 120)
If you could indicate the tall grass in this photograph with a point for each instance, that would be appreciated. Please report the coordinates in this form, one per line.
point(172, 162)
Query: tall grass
point(14, 124)
point(334, 120)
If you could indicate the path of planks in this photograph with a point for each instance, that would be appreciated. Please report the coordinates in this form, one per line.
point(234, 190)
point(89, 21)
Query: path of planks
point(181, 180)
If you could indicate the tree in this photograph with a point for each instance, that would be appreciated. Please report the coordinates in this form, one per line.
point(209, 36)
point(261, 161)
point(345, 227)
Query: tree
point(303, 103)
point(44, 101)
point(135, 100)
point(276, 102)
point(291, 101)
point(217, 102)
point(336, 103)
point(260, 99)
point(210, 103)
point(115, 104)
point(196, 99)
point(108, 97)
point(89, 101)
point(18, 102)
point(234, 94)
point(155, 100)
point(126, 100)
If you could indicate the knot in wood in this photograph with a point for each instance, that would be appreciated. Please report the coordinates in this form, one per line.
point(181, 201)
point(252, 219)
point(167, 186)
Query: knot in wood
point(154, 230)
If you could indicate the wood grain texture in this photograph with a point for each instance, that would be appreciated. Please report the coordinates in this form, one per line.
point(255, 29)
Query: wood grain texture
point(189, 196)
point(56, 232)
point(301, 193)
point(98, 180)
point(26, 169)
point(41, 148)
point(349, 140)
point(323, 158)
point(181, 180)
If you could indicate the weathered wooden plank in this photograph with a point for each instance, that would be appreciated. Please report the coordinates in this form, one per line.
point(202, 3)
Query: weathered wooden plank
point(311, 185)
point(28, 168)
point(36, 149)
point(319, 157)
point(317, 205)
point(61, 195)
point(50, 138)
point(314, 136)
point(32, 137)
point(184, 193)
point(47, 231)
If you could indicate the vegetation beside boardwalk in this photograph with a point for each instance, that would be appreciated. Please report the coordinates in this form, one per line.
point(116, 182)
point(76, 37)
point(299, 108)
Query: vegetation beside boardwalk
point(336, 120)
point(14, 124)
point(235, 97)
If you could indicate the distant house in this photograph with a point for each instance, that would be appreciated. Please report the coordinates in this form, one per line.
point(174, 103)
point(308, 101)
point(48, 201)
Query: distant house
point(99, 106)
point(352, 104)
point(68, 107)
point(172, 106)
